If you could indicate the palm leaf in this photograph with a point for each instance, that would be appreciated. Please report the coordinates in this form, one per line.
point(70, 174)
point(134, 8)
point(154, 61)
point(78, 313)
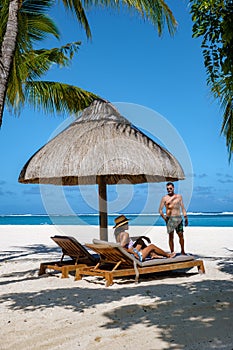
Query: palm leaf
point(55, 97)
point(77, 7)
point(36, 63)
point(32, 65)
point(34, 25)
point(155, 11)
point(227, 124)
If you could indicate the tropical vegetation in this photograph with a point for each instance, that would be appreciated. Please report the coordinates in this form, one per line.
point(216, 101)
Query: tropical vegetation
point(24, 83)
point(213, 22)
point(24, 23)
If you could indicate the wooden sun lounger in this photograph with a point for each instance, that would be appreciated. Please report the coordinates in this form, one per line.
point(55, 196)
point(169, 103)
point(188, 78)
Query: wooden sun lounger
point(116, 262)
point(80, 257)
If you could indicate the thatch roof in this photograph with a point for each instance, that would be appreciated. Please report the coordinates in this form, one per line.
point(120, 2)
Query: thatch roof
point(100, 143)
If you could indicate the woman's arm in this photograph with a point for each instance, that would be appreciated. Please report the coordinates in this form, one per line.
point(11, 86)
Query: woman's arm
point(124, 239)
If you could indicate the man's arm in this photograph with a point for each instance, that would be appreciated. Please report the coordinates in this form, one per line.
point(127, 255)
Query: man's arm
point(162, 204)
point(184, 211)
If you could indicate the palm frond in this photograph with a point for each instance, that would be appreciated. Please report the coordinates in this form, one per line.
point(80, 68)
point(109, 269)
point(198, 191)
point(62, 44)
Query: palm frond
point(156, 11)
point(34, 27)
point(227, 124)
point(4, 9)
point(36, 63)
point(60, 55)
point(212, 20)
point(222, 90)
point(55, 97)
point(32, 65)
point(15, 94)
point(77, 7)
point(36, 6)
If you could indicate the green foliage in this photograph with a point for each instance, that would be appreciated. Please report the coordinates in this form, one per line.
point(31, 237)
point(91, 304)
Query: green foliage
point(33, 23)
point(29, 65)
point(213, 21)
point(25, 86)
point(4, 5)
point(58, 97)
point(156, 11)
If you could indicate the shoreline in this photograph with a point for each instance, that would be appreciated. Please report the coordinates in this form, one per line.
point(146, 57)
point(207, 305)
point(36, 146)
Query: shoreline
point(175, 311)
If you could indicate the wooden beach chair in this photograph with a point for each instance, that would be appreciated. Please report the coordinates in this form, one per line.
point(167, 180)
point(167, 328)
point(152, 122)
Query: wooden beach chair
point(115, 261)
point(79, 254)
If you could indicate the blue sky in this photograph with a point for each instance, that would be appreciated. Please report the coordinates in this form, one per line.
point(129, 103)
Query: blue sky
point(126, 62)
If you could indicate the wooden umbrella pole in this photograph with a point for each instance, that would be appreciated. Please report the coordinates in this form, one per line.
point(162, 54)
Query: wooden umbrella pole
point(103, 211)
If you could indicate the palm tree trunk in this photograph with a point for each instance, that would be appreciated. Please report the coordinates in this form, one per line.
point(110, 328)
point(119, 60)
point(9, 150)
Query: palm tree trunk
point(7, 50)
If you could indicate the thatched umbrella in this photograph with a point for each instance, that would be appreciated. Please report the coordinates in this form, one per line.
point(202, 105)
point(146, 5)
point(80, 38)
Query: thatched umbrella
point(101, 147)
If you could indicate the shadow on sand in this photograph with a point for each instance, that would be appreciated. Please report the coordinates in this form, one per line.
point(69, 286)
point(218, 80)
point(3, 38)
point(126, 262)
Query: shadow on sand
point(164, 308)
point(201, 309)
point(34, 251)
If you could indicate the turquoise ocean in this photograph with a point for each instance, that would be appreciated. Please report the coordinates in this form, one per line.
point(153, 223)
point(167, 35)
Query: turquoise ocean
point(195, 219)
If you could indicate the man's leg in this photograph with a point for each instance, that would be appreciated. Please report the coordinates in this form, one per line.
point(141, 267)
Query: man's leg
point(171, 241)
point(181, 239)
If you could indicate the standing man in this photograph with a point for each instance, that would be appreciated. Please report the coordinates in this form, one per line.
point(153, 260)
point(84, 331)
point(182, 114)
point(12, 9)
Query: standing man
point(173, 204)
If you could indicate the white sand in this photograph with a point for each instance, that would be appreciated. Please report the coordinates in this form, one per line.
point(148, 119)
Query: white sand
point(177, 311)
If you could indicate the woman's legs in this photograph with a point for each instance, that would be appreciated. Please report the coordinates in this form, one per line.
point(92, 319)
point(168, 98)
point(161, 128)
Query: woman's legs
point(151, 248)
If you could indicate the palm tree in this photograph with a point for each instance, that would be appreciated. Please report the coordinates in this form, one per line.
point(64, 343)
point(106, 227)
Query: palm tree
point(28, 66)
point(10, 27)
point(8, 42)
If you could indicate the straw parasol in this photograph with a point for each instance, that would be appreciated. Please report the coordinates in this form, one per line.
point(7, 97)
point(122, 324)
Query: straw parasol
point(101, 147)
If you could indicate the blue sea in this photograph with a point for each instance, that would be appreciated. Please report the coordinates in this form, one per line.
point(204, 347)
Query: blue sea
point(195, 219)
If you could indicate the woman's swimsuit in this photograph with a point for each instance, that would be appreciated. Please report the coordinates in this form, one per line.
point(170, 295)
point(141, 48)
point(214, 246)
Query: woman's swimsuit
point(130, 244)
point(139, 254)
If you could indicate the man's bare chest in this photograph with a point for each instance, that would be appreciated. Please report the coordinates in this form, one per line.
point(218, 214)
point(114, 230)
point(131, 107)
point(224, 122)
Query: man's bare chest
point(172, 202)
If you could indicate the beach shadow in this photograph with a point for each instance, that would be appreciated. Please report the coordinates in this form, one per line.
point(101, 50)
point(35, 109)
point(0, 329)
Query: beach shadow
point(37, 250)
point(17, 280)
point(229, 250)
point(19, 276)
point(207, 309)
point(226, 265)
point(32, 253)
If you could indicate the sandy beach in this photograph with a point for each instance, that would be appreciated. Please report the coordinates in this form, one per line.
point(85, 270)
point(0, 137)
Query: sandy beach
point(170, 311)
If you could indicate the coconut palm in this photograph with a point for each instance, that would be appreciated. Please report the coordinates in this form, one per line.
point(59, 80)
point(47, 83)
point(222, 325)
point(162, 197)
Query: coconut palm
point(8, 42)
point(28, 66)
point(10, 27)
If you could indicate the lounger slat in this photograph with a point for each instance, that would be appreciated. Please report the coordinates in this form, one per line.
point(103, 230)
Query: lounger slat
point(76, 251)
point(69, 247)
point(110, 254)
point(123, 264)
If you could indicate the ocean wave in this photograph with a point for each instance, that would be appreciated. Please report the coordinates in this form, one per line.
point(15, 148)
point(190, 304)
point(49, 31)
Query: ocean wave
point(112, 215)
point(210, 213)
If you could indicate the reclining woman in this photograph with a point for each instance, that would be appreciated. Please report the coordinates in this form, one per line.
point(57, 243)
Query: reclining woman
point(139, 251)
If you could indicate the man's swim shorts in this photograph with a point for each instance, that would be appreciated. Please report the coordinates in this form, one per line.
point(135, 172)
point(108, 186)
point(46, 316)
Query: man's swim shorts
point(174, 223)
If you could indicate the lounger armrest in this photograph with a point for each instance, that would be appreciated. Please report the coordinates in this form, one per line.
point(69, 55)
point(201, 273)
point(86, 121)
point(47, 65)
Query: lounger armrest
point(112, 244)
